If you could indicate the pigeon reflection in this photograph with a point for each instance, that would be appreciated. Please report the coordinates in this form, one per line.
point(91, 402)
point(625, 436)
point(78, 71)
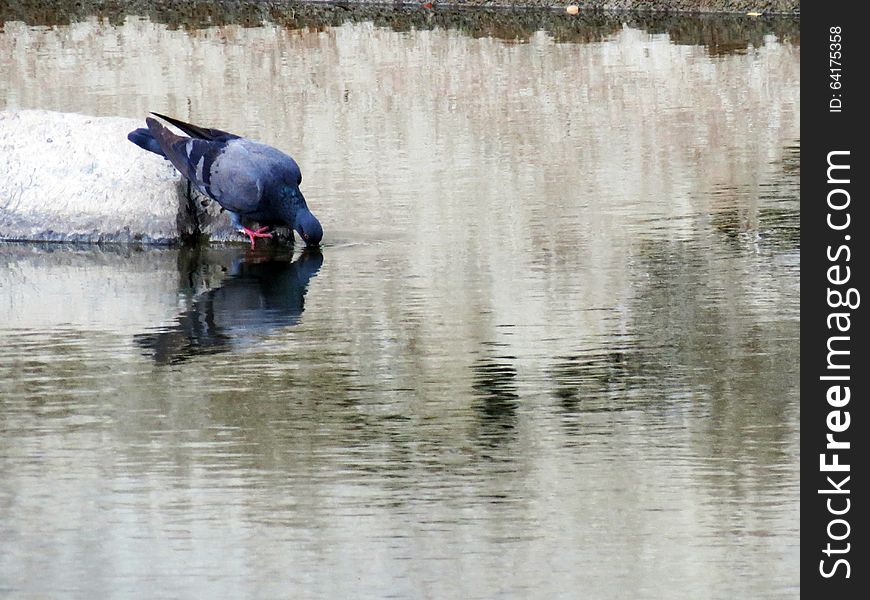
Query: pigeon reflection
point(262, 293)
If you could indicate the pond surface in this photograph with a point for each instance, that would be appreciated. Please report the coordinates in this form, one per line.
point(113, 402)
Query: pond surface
point(549, 349)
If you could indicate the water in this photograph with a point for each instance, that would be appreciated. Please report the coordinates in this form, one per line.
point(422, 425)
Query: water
point(550, 347)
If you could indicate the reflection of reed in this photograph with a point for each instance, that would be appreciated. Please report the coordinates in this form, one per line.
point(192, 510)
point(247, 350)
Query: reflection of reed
point(722, 35)
point(721, 333)
point(495, 388)
point(598, 380)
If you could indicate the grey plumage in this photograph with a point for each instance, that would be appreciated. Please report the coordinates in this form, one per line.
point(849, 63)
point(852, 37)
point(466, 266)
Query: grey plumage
point(252, 181)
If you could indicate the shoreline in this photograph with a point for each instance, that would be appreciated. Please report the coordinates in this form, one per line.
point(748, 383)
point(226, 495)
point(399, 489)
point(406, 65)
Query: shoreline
point(731, 7)
point(48, 12)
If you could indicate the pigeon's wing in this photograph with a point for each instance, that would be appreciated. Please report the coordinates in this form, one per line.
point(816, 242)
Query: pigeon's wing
point(237, 179)
point(220, 169)
point(186, 154)
point(202, 133)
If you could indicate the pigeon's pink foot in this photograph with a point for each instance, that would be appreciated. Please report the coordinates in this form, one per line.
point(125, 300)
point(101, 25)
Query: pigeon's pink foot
point(262, 232)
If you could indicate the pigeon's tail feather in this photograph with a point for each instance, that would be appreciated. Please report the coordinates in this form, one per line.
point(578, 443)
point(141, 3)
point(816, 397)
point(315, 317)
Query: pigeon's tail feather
point(191, 156)
point(142, 137)
point(202, 133)
point(173, 146)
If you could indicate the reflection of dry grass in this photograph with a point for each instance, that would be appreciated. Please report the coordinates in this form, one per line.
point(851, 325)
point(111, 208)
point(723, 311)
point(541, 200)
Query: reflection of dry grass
point(721, 34)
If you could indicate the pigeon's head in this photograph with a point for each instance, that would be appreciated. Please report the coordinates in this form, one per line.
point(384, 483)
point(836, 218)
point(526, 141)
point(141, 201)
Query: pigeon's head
point(308, 227)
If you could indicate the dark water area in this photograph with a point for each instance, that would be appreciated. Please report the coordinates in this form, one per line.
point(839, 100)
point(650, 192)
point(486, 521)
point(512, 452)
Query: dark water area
point(549, 348)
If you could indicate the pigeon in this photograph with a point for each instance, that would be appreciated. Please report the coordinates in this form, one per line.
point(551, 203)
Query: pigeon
point(250, 180)
point(263, 293)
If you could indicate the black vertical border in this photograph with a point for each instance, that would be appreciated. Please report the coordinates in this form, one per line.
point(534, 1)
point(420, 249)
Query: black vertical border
point(824, 131)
